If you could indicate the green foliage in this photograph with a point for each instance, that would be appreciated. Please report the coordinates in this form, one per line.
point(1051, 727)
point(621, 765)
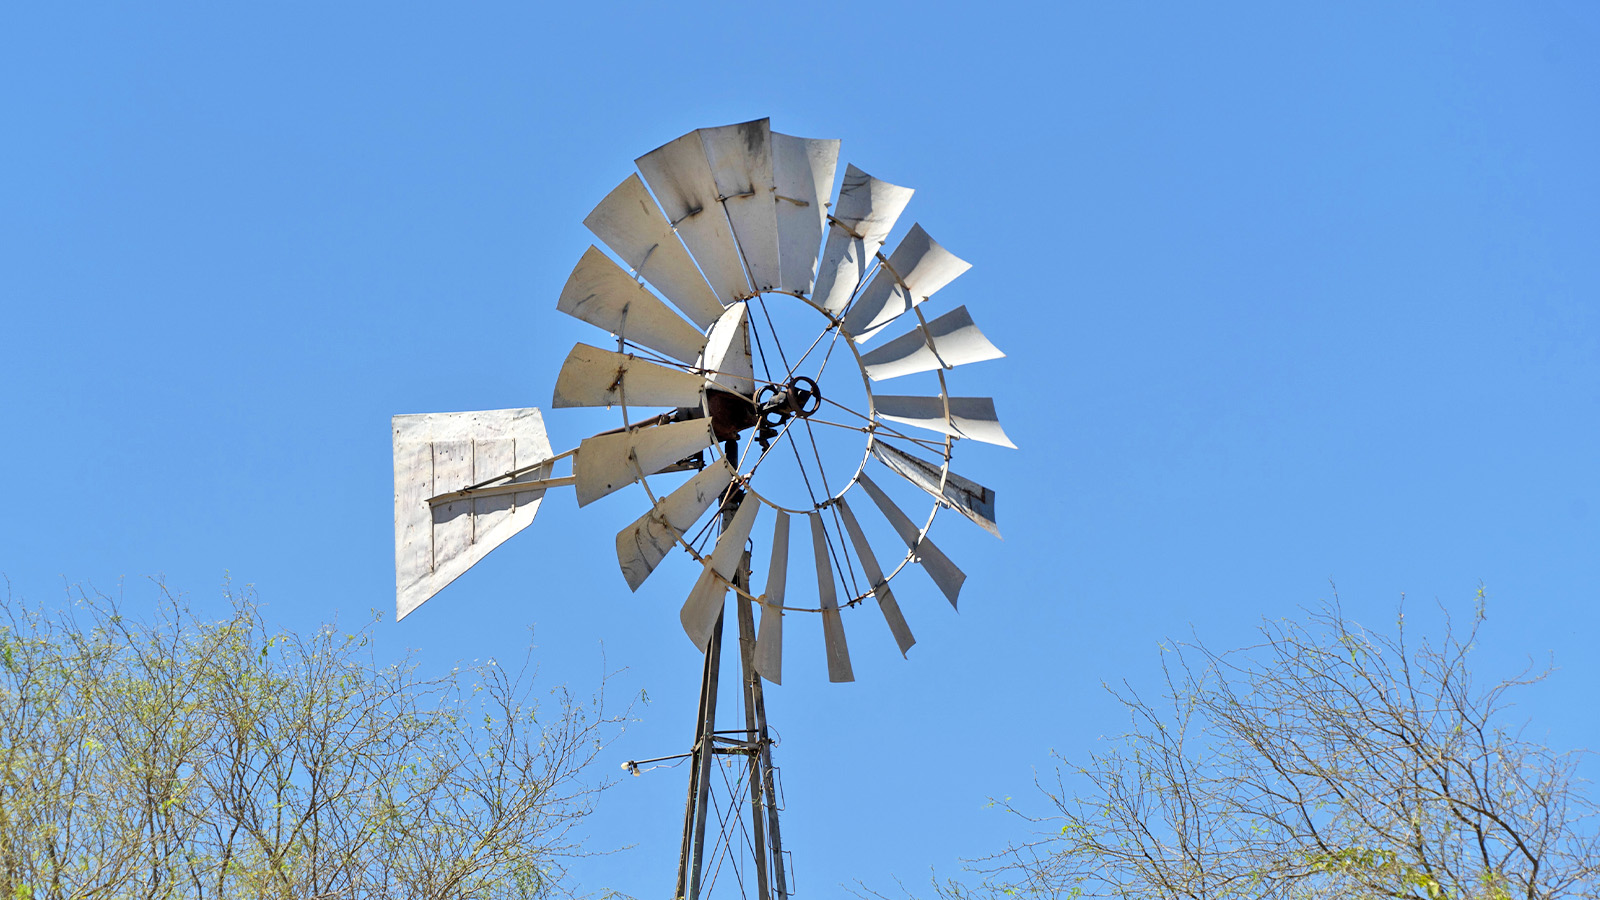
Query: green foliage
point(1325, 761)
point(186, 757)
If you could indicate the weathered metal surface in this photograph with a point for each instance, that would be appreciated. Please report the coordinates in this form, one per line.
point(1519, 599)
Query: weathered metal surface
point(963, 495)
point(769, 642)
point(629, 222)
point(642, 545)
point(680, 176)
point(741, 165)
point(880, 586)
point(916, 270)
point(521, 485)
point(704, 604)
point(606, 462)
point(439, 452)
point(833, 641)
point(727, 360)
point(802, 170)
point(948, 341)
point(595, 377)
point(599, 292)
point(863, 217)
point(970, 417)
point(944, 573)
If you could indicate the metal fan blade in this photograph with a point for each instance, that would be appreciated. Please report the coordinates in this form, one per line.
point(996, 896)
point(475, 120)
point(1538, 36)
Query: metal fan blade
point(965, 496)
point(970, 417)
point(768, 658)
point(938, 566)
point(832, 625)
point(946, 342)
point(642, 545)
point(700, 610)
point(439, 452)
point(629, 222)
point(610, 462)
point(727, 361)
point(599, 292)
point(866, 212)
point(880, 586)
point(595, 377)
point(741, 165)
point(802, 170)
point(916, 270)
point(680, 176)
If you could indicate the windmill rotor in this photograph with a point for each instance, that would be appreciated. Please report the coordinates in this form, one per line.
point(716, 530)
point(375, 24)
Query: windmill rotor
point(720, 248)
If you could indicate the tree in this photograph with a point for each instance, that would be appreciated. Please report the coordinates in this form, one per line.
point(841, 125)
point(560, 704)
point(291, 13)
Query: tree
point(1327, 761)
point(192, 758)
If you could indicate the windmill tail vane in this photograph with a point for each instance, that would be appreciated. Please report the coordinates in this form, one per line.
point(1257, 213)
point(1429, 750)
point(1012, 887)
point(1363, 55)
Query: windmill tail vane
point(724, 408)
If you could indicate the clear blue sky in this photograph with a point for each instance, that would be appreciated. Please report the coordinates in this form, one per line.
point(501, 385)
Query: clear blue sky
point(1288, 295)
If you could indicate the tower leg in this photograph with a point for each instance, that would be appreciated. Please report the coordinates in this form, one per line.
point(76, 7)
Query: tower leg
point(691, 857)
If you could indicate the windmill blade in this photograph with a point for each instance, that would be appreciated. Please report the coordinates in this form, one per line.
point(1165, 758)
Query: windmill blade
point(866, 212)
point(938, 566)
point(832, 625)
point(768, 659)
point(609, 462)
point(916, 270)
point(595, 377)
point(802, 172)
point(946, 342)
point(642, 545)
point(741, 165)
point(880, 585)
point(700, 610)
point(629, 222)
point(727, 361)
point(599, 292)
point(439, 452)
point(680, 176)
point(970, 417)
point(965, 496)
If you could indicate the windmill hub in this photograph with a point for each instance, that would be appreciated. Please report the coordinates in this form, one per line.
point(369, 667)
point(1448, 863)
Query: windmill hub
point(768, 412)
point(799, 397)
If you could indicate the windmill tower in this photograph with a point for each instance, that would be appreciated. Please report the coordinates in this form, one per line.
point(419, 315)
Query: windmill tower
point(727, 400)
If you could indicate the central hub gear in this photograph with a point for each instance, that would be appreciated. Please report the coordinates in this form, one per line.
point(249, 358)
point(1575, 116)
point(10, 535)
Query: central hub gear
point(775, 405)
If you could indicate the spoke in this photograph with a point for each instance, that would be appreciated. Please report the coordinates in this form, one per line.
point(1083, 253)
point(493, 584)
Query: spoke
point(848, 570)
point(833, 555)
point(760, 350)
point(651, 356)
point(786, 426)
point(774, 330)
point(834, 327)
point(826, 356)
point(811, 492)
point(816, 421)
point(885, 428)
point(878, 259)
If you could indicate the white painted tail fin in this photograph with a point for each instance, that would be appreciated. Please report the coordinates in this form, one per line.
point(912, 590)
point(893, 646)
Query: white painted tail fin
point(436, 453)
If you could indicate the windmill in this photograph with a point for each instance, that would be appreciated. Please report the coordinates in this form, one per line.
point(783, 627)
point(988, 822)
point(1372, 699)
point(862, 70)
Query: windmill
point(716, 391)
